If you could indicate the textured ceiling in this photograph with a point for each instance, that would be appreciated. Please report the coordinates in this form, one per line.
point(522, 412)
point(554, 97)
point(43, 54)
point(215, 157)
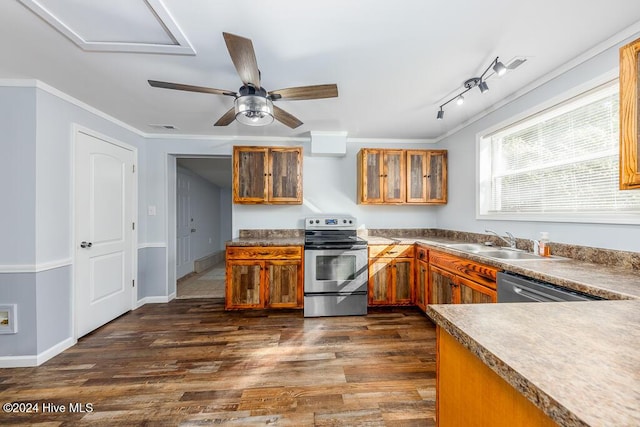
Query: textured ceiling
point(394, 62)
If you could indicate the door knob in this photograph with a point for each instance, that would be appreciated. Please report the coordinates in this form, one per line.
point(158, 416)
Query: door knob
point(86, 244)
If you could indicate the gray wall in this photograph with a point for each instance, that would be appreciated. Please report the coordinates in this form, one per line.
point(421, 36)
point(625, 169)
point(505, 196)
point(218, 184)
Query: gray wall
point(460, 212)
point(205, 211)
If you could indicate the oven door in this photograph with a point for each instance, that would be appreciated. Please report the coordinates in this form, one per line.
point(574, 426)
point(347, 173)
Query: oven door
point(335, 271)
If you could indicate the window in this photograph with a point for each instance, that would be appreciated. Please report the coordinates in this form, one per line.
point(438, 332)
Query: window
point(558, 165)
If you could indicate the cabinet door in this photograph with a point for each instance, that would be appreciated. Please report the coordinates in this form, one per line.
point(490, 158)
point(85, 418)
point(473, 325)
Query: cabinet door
point(629, 140)
point(437, 176)
point(285, 175)
point(473, 293)
point(245, 284)
point(284, 280)
point(371, 176)
point(250, 165)
point(442, 286)
point(416, 176)
point(402, 281)
point(422, 285)
point(379, 282)
point(394, 176)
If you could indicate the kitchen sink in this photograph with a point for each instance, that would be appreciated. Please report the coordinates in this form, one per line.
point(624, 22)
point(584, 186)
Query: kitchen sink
point(511, 255)
point(471, 247)
point(499, 253)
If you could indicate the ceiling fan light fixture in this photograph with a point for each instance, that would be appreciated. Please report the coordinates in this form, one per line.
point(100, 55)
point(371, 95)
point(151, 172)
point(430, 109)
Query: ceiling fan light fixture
point(254, 110)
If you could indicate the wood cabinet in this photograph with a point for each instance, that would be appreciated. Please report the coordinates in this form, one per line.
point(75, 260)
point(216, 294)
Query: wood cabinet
point(629, 139)
point(391, 271)
point(422, 278)
point(468, 392)
point(264, 277)
point(454, 280)
point(388, 176)
point(381, 176)
point(268, 175)
point(426, 176)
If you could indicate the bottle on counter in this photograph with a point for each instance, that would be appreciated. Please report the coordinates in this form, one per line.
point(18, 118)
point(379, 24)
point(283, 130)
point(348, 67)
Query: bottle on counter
point(544, 248)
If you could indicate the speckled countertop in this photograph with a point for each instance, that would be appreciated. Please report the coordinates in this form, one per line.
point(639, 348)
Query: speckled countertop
point(594, 279)
point(266, 241)
point(577, 361)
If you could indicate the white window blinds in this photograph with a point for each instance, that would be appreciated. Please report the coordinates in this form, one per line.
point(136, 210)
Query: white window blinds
point(562, 161)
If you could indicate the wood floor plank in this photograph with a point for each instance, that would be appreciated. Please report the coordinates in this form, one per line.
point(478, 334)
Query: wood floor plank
point(190, 363)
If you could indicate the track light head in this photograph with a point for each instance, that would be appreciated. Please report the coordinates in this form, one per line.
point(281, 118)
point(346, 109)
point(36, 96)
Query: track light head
point(499, 68)
point(483, 87)
point(440, 115)
point(460, 100)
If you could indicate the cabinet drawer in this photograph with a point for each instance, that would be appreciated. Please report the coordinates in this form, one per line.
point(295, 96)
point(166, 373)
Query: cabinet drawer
point(422, 254)
point(391, 251)
point(471, 270)
point(266, 252)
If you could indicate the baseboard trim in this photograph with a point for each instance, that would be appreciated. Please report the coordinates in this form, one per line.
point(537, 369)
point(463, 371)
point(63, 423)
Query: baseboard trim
point(153, 300)
point(36, 360)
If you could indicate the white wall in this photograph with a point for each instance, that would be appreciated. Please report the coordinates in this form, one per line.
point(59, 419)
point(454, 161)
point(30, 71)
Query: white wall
point(460, 212)
point(329, 186)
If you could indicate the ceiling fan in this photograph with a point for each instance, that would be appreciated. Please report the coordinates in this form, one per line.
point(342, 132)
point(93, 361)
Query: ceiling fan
point(253, 104)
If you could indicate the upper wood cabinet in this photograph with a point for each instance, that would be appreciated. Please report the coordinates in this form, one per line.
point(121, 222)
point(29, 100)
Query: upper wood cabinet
point(629, 138)
point(381, 176)
point(426, 176)
point(270, 175)
point(402, 176)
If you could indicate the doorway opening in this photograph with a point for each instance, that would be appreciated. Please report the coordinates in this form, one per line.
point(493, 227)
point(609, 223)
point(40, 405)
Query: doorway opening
point(203, 225)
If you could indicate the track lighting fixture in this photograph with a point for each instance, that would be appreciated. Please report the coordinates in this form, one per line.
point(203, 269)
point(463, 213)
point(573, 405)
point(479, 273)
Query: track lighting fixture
point(499, 68)
point(479, 82)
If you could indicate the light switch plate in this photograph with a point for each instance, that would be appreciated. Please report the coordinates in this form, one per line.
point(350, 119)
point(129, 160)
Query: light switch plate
point(151, 210)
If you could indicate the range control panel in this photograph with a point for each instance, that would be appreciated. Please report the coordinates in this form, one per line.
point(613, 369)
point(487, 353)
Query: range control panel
point(335, 222)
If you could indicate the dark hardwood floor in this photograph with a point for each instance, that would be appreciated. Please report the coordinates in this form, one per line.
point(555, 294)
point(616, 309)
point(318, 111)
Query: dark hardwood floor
point(191, 363)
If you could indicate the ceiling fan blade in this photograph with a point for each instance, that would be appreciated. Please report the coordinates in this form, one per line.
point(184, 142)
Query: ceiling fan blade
point(305, 92)
point(286, 118)
point(244, 58)
point(178, 86)
point(227, 118)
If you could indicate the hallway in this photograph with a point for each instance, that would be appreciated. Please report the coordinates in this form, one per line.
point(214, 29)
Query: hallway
point(207, 284)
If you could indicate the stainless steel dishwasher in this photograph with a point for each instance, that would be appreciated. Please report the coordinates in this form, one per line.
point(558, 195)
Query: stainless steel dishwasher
point(516, 288)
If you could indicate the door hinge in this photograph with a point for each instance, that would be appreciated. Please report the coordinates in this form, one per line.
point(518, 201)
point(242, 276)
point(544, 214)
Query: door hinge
point(133, 283)
point(133, 225)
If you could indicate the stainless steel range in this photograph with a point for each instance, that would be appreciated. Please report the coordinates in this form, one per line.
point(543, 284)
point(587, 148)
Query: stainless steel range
point(335, 267)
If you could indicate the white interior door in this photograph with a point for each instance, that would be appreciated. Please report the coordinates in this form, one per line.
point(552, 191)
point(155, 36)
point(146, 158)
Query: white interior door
point(104, 221)
point(184, 263)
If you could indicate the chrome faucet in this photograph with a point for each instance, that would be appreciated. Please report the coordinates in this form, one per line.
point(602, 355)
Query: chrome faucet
point(511, 239)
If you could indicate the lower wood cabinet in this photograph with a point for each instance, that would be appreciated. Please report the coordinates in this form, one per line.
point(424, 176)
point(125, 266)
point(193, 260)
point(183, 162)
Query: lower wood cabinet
point(391, 274)
point(421, 289)
point(469, 393)
point(264, 277)
point(454, 280)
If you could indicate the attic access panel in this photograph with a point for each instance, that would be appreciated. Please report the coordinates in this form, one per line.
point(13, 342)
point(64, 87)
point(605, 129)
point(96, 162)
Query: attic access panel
point(144, 26)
